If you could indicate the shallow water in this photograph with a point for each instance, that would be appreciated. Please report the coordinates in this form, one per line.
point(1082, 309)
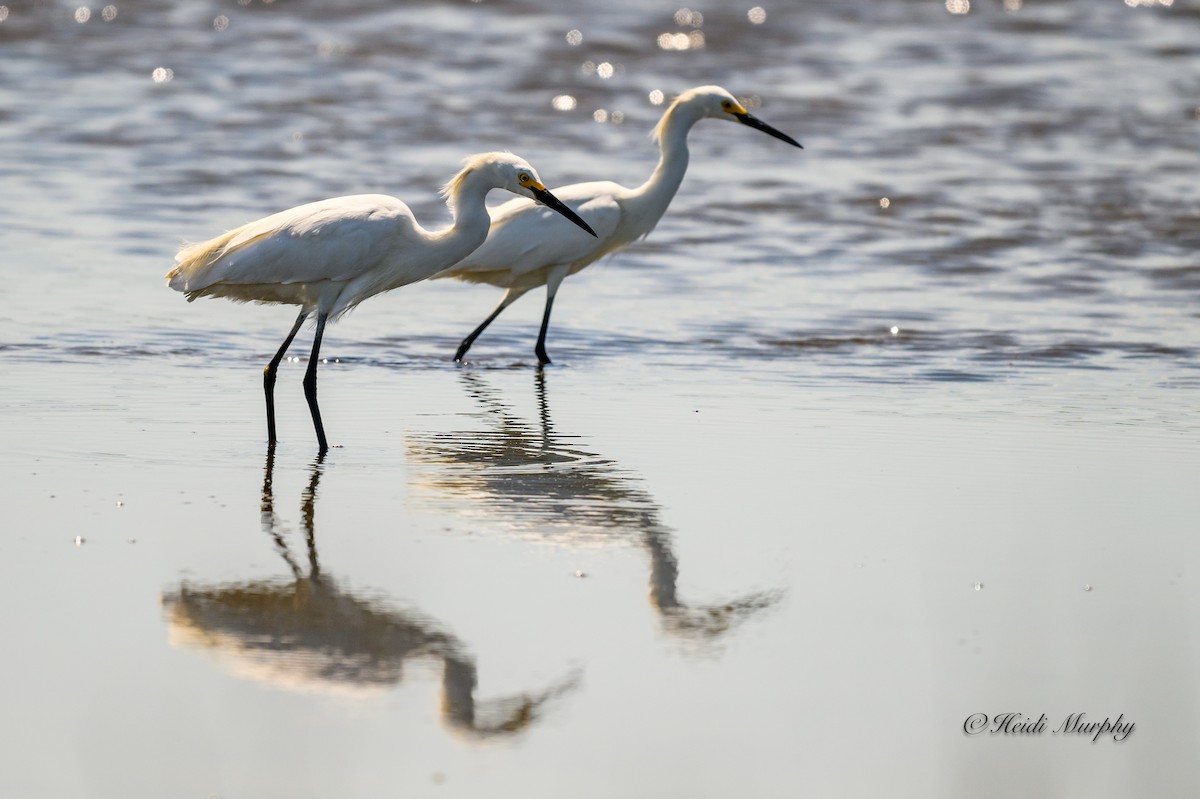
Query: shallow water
point(814, 476)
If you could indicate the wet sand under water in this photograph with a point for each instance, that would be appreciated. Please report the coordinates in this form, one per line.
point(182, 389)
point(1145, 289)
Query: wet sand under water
point(728, 587)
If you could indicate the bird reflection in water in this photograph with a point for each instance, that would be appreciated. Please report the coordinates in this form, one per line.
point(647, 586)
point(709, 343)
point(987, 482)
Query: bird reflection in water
point(308, 634)
point(541, 483)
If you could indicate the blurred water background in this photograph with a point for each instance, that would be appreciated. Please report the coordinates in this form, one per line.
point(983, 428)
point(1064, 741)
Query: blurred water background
point(890, 430)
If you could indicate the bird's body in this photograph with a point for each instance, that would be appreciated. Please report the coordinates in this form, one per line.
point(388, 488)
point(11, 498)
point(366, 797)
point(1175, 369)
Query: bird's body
point(526, 248)
point(330, 255)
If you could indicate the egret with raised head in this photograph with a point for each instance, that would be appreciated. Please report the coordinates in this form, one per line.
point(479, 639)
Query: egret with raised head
point(527, 248)
point(330, 255)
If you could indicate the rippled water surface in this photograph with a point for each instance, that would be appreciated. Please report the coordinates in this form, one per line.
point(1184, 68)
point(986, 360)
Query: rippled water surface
point(864, 439)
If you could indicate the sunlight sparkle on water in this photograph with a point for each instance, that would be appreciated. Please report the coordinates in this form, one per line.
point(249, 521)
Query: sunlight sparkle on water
point(3, 13)
point(82, 14)
point(757, 15)
point(162, 74)
point(656, 98)
point(220, 23)
point(686, 16)
point(884, 202)
point(108, 13)
point(681, 41)
point(958, 6)
point(574, 37)
point(563, 102)
point(604, 70)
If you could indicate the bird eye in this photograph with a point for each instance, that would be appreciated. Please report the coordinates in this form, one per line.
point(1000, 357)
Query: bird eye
point(523, 177)
point(728, 106)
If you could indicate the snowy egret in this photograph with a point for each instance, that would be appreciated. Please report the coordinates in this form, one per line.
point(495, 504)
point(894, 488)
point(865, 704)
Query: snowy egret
point(526, 248)
point(330, 255)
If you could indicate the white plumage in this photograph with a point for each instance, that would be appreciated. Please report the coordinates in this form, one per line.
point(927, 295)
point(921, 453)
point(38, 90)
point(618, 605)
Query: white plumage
point(330, 255)
point(312, 251)
point(527, 248)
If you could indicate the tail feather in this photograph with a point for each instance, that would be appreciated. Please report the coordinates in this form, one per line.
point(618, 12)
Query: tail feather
point(194, 262)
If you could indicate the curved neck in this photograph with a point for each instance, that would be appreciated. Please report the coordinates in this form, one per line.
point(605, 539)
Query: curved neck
point(657, 192)
point(451, 244)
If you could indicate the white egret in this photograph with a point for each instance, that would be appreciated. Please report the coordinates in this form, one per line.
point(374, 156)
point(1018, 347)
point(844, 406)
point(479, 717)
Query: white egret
point(330, 255)
point(527, 248)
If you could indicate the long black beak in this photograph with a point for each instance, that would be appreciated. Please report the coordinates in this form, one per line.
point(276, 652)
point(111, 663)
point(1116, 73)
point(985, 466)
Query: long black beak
point(550, 201)
point(758, 124)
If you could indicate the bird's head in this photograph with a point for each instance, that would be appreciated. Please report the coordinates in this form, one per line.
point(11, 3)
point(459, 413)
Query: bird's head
point(501, 171)
point(511, 172)
point(717, 103)
point(515, 174)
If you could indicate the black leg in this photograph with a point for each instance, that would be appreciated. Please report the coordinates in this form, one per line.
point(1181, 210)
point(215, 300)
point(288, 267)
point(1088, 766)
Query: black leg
point(469, 340)
point(269, 377)
point(540, 349)
point(308, 502)
point(270, 522)
point(310, 385)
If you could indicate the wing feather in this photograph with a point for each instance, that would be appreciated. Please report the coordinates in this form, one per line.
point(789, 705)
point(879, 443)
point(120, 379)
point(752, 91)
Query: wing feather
point(336, 239)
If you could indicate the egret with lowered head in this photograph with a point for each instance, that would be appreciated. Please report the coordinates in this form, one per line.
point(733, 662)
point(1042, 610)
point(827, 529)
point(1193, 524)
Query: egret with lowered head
point(526, 247)
point(330, 255)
